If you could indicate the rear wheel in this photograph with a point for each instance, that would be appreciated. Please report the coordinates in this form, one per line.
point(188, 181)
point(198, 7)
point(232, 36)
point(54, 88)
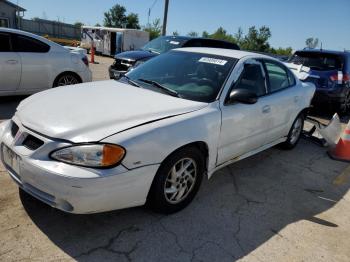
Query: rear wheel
point(177, 181)
point(294, 133)
point(66, 79)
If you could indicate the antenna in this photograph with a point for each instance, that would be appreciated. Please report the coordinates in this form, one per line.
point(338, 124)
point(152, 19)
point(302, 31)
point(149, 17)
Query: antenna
point(149, 11)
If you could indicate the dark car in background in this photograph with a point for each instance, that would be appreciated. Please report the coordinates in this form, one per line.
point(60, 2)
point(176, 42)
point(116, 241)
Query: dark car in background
point(126, 60)
point(330, 72)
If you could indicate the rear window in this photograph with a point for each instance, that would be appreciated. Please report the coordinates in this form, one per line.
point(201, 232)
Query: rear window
point(318, 61)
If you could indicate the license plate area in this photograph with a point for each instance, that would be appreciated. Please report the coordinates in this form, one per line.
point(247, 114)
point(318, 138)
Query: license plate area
point(11, 159)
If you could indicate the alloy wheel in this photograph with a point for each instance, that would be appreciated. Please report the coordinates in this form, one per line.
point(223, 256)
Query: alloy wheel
point(296, 130)
point(180, 180)
point(67, 80)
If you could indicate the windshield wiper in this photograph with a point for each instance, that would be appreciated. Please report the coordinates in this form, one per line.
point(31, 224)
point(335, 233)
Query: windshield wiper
point(164, 88)
point(131, 81)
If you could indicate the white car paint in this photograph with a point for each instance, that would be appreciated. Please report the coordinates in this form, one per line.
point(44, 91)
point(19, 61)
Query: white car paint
point(76, 49)
point(30, 72)
point(149, 125)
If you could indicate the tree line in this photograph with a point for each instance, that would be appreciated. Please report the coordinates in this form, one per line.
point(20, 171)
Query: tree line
point(256, 39)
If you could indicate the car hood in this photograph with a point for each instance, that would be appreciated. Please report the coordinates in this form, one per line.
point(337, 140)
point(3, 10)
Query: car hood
point(92, 111)
point(135, 55)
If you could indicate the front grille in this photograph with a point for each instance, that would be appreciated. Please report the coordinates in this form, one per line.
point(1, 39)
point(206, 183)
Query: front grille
point(122, 65)
point(14, 129)
point(32, 142)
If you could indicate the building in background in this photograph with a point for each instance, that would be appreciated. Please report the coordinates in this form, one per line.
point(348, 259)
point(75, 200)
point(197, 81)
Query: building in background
point(9, 13)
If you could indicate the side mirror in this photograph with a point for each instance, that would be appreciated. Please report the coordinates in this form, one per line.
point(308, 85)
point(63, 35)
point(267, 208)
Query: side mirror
point(243, 96)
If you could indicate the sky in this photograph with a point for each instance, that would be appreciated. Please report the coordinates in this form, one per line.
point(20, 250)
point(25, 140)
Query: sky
point(290, 21)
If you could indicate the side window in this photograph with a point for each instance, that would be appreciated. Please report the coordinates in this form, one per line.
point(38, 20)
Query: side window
point(27, 44)
point(5, 42)
point(252, 78)
point(279, 77)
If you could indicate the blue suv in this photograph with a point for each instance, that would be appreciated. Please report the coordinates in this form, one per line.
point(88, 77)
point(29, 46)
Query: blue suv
point(330, 72)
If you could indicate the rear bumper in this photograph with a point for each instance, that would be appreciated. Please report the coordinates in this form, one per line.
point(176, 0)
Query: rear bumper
point(329, 97)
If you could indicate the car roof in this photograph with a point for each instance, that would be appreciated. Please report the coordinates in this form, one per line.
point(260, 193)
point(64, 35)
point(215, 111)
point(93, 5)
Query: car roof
point(334, 52)
point(238, 54)
point(176, 37)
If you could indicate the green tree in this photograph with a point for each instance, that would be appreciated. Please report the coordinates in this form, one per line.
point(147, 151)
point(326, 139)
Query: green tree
point(175, 33)
point(281, 51)
point(205, 34)
point(97, 24)
point(239, 35)
point(132, 21)
point(257, 40)
point(154, 29)
point(222, 34)
point(115, 17)
point(193, 34)
point(311, 42)
point(78, 24)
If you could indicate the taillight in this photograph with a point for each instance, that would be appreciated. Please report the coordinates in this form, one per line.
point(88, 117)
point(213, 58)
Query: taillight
point(340, 78)
point(85, 60)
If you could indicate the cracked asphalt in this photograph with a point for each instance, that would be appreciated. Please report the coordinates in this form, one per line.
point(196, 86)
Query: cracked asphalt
point(275, 206)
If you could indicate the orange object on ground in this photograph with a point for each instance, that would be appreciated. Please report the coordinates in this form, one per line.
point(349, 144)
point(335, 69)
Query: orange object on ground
point(92, 59)
point(342, 149)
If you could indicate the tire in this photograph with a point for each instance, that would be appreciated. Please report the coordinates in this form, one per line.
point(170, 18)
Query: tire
point(294, 132)
point(66, 79)
point(170, 191)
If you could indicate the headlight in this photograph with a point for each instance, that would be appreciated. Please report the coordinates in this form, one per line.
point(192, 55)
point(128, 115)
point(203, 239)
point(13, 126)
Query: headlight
point(90, 155)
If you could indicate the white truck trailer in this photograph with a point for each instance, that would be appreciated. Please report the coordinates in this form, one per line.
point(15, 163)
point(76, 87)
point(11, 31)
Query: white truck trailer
point(110, 41)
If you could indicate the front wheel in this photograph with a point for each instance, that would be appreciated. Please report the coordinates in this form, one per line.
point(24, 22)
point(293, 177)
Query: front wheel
point(177, 181)
point(294, 133)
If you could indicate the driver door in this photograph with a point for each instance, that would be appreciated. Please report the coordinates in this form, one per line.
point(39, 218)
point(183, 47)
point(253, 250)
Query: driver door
point(244, 126)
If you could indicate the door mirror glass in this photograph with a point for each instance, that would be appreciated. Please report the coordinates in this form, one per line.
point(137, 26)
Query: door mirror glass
point(243, 96)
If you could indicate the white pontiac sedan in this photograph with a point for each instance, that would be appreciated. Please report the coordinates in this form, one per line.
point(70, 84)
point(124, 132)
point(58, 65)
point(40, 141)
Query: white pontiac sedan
point(152, 136)
point(30, 63)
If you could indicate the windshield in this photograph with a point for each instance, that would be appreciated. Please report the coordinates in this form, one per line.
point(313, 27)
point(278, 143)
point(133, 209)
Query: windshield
point(163, 44)
point(193, 76)
point(317, 61)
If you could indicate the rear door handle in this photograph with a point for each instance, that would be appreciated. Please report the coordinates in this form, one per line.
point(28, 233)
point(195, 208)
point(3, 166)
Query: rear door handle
point(266, 109)
point(12, 62)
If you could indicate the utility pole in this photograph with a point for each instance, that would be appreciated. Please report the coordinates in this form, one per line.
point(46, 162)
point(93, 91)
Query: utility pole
point(165, 17)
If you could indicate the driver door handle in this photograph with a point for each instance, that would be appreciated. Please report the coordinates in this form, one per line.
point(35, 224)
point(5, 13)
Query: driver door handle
point(12, 62)
point(266, 109)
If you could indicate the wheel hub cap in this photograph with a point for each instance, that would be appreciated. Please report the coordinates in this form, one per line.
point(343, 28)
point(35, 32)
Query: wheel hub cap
point(180, 180)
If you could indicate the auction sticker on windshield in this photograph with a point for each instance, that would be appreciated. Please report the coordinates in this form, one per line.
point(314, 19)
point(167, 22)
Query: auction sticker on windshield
point(212, 61)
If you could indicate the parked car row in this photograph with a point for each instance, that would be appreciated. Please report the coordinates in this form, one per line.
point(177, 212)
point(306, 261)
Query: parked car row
point(153, 135)
point(123, 62)
point(175, 112)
